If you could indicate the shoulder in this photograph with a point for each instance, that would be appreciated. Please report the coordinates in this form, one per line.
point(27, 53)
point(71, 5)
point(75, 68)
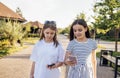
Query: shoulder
point(40, 42)
point(59, 44)
point(72, 42)
point(92, 41)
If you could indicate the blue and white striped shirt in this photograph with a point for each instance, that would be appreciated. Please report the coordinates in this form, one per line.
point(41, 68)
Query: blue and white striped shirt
point(82, 50)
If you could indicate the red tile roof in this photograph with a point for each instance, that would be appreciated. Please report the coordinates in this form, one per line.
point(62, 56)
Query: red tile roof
point(36, 23)
point(6, 12)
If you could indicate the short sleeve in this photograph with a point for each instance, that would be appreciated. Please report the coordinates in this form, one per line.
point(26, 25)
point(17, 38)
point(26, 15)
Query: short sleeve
point(61, 54)
point(94, 45)
point(33, 56)
point(69, 47)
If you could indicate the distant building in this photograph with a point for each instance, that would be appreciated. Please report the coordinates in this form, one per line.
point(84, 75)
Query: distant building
point(6, 13)
point(33, 28)
point(37, 23)
point(37, 27)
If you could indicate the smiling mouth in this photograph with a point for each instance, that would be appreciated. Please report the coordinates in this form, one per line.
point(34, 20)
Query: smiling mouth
point(49, 38)
point(78, 35)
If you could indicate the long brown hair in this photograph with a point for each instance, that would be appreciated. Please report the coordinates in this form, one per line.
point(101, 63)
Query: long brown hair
point(80, 22)
point(52, 26)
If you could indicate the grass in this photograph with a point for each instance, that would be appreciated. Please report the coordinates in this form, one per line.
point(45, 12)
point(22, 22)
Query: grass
point(98, 54)
point(100, 46)
point(9, 50)
point(31, 40)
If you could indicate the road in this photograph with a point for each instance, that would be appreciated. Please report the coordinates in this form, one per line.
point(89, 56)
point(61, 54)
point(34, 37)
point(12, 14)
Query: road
point(108, 45)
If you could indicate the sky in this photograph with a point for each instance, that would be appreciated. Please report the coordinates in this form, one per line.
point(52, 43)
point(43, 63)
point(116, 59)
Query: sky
point(62, 11)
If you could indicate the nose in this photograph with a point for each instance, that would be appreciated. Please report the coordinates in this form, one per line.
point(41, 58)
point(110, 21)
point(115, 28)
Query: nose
point(77, 32)
point(49, 35)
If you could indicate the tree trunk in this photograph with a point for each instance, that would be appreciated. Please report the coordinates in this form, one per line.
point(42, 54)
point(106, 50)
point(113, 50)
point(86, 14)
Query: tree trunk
point(116, 39)
point(93, 33)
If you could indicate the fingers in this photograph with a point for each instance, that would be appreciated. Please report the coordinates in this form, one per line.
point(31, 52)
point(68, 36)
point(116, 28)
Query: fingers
point(51, 67)
point(71, 63)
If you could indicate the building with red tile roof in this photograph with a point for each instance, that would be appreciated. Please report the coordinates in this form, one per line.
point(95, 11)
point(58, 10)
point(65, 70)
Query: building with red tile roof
point(36, 23)
point(6, 12)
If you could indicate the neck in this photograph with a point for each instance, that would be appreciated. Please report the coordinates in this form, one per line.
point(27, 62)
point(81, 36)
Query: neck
point(48, 41)
point(82, 39)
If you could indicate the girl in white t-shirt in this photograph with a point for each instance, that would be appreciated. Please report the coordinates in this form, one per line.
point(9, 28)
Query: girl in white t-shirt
point(47, 54)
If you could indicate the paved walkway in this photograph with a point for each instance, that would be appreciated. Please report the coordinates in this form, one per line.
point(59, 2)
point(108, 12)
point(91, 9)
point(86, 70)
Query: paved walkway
point(18, 64)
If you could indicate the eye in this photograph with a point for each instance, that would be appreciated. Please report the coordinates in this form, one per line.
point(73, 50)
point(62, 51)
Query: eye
point(47, 32)
point(52, 33)
point(80, 30)
point(74, 30)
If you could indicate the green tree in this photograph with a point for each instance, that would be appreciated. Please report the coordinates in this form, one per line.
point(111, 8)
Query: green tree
point(66, 30)
point(81, 16)
point(108, 16)
point(12, 30)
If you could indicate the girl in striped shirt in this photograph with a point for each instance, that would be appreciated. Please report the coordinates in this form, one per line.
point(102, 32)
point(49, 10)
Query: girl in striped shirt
point(83, 48)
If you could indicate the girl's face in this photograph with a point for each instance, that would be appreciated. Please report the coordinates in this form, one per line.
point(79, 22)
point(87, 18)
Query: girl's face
point(79, 31)
point(49, 34)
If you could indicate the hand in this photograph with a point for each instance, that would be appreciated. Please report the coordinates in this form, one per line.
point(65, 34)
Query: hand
point(71, 60)
point(71, 63)
point(52, 66)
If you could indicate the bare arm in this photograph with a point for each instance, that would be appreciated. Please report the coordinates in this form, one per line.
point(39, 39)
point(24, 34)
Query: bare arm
point(66, 56)
point(59, 64)
point(32, 70)
point(69, 62)
point(56, 65)
point(94, 63)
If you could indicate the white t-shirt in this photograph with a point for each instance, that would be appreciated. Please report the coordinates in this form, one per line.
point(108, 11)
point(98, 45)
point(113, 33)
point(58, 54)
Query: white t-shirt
point(46, 53)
